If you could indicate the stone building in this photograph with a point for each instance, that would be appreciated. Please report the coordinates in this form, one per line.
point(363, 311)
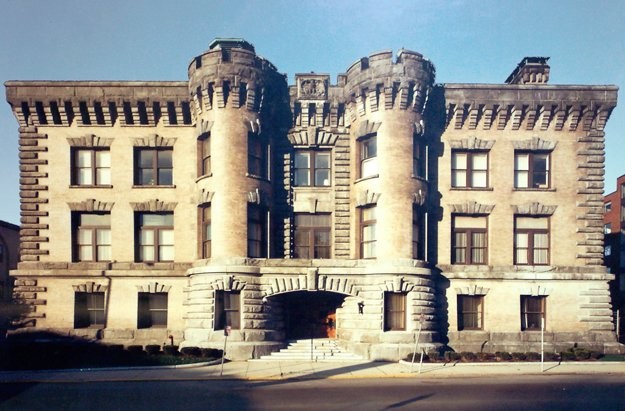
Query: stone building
point(364, 210)
point(614, 229)
point(9, 255)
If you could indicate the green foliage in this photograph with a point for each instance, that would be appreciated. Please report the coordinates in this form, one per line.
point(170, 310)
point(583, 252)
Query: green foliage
point(191, 351)
point(468, 356)
point(153, 349)
point(519, 356)
point(533, 356)
point(135, 349)
point(503, 356)
point(170, 349)
point(451, 356)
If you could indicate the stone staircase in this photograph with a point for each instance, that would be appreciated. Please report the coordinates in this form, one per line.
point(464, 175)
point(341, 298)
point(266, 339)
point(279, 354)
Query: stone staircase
point(323, 349)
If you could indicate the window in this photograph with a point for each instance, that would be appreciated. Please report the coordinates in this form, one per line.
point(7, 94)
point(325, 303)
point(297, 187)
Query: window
point(394, 311)
point(256, 155)
point(91, 237)
point(607, 228)
point(469, 169)
point(367, 232)
point(205, 227)
point(418, 157)
point(155, 237)
point(312, 168)
point(531, 170)
point(418, 233)
point(153, 166)
point(531, 241)
point(152, 311)
point(227, 309)
point(204, 154)
point(607, 251)
point(91, 167)
point(256, 231)
point(469, 240)
point(532, 312)
point(470, 312)
point(607, 207)
point(312, 236)
point(88, 309)
point(368, 156)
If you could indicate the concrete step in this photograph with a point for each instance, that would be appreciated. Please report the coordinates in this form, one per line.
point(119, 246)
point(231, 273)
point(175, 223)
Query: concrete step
point(323, 349)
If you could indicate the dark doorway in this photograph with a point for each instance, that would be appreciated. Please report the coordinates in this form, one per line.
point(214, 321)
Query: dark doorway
point(310, 314)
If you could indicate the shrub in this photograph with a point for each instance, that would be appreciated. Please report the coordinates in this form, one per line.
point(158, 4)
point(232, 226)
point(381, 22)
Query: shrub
point(153, 349)
point(503, 356)
point(170, 349)
point(191, 351)
point(451, 356)
point(135, 349)
point(595, 355)
point(535, 356)
point(433, 356)
point(468, 356)
point(568, 356)
point(485, 356)
point(211, 352)
point(519, 356)
point(581, 353)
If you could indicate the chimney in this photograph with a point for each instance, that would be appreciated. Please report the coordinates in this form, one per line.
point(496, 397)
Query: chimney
point(531, 70)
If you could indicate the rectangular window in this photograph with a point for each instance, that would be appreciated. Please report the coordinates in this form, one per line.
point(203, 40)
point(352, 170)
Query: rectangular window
point(469, 169)
point(256, 231)
point(204, 154)
point(205, 225)
point(369, 156)
point(153, 166)
point(469, 240)
point(532, 312)
point(152, 312)
point(531, 241)
point(88, 309)
point(607, 228)
point(531, 170)
point(607, 207)
point(91, 167)
point(91, 236)
point(155, 235)
point(312, 236)
point(367, 232)
point(418, 157)
point(394, 311)
point(256, 155)
point(470, 312)
point(227, 309)
point(312, 168)
point(418, 233)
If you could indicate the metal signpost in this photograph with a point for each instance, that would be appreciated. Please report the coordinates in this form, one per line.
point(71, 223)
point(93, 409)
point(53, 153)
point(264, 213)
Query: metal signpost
point(416, 343)
point(227, 330)
point(542, 344)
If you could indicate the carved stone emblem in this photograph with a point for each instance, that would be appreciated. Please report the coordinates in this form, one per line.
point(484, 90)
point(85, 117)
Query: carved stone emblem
point(313, 88)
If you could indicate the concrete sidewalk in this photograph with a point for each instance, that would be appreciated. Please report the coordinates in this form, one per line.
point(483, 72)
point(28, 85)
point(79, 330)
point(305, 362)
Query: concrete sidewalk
point(283, 370)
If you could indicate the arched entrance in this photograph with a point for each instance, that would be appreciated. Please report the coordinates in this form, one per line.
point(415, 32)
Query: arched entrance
point(309, 314)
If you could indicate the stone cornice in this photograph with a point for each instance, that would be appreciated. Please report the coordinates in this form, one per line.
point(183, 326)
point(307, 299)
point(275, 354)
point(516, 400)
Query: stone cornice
point(505, 106)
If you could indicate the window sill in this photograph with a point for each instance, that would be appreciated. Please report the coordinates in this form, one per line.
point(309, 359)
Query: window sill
point(548, 189)
point(420, 178)
point(257, 177)
point(358, 180)
point(472, 189)
point(153, 186)
point(90, 186)
point(203, 177)
point(312, 188)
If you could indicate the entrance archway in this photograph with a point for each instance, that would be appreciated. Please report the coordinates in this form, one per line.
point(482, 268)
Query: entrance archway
point(310, 314)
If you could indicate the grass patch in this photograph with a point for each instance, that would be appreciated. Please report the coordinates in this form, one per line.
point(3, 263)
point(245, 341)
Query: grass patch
point(612, 357)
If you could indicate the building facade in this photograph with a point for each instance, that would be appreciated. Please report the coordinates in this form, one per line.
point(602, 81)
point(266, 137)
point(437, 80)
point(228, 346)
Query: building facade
point(369, 210)
point(614, 226)
point(9, 256)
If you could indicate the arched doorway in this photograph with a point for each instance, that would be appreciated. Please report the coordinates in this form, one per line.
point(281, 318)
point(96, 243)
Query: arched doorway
point(309, 314)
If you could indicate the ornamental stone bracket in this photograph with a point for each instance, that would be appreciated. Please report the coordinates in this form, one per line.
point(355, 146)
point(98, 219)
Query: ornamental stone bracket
point(90, 140)
point(252, 126)
point(153, 287)
point(534, 144)
point(154, 141)
point(397, 285)
point(419, 197)
point(228, 283)
point(91, 204)
point(472, 290)
point(153, 206)
point(256, 197)
point(367, 127)
point(90, 287)
point(205, 126)
point(472, 143)
point(205, 196)
point(311, 281)
point(366, 197)
point(471, 207)
point(534, 208)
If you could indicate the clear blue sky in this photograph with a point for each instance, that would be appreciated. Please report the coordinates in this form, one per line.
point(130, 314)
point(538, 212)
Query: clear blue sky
point(468, 41)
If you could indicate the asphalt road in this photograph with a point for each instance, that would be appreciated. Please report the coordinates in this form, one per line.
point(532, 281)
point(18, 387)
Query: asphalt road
point(534, 393)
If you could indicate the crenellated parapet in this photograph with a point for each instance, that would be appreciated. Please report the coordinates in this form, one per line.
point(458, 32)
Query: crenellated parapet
point(99, 103)
point(519, 107)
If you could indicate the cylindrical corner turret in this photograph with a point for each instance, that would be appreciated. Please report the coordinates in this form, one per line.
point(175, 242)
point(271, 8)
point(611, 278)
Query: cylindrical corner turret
point(232, 91)
point(386, 100)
